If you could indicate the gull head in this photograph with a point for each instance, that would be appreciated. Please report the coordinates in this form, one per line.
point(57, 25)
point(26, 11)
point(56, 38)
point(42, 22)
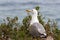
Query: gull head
point(33, 11)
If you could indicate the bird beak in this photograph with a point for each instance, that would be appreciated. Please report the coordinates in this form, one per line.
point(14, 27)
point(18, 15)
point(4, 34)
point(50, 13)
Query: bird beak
point(28, 10)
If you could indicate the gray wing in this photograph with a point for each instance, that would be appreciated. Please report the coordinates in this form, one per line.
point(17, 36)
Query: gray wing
point(39, 28)
point(36, 29)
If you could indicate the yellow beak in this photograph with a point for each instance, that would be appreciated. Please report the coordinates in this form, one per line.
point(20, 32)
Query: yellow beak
point(28, 10)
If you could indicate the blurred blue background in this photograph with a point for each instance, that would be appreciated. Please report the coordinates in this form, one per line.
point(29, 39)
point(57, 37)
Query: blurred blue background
point(11, 8)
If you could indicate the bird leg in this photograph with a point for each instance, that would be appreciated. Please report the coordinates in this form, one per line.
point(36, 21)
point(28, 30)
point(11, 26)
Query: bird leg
point(34, 38)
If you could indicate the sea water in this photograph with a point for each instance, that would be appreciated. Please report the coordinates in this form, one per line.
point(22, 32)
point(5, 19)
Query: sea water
point(49, 9)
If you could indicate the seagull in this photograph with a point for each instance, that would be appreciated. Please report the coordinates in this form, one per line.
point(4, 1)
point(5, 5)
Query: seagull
point(36, 28)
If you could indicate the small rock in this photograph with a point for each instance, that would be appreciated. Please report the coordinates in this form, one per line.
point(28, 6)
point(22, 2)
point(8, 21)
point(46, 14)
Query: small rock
point(49, 38)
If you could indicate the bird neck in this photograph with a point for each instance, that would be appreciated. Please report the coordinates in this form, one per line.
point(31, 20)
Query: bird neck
point(34, 19)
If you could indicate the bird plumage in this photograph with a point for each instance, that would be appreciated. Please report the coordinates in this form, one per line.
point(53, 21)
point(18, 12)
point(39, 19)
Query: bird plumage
point(36, 28)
